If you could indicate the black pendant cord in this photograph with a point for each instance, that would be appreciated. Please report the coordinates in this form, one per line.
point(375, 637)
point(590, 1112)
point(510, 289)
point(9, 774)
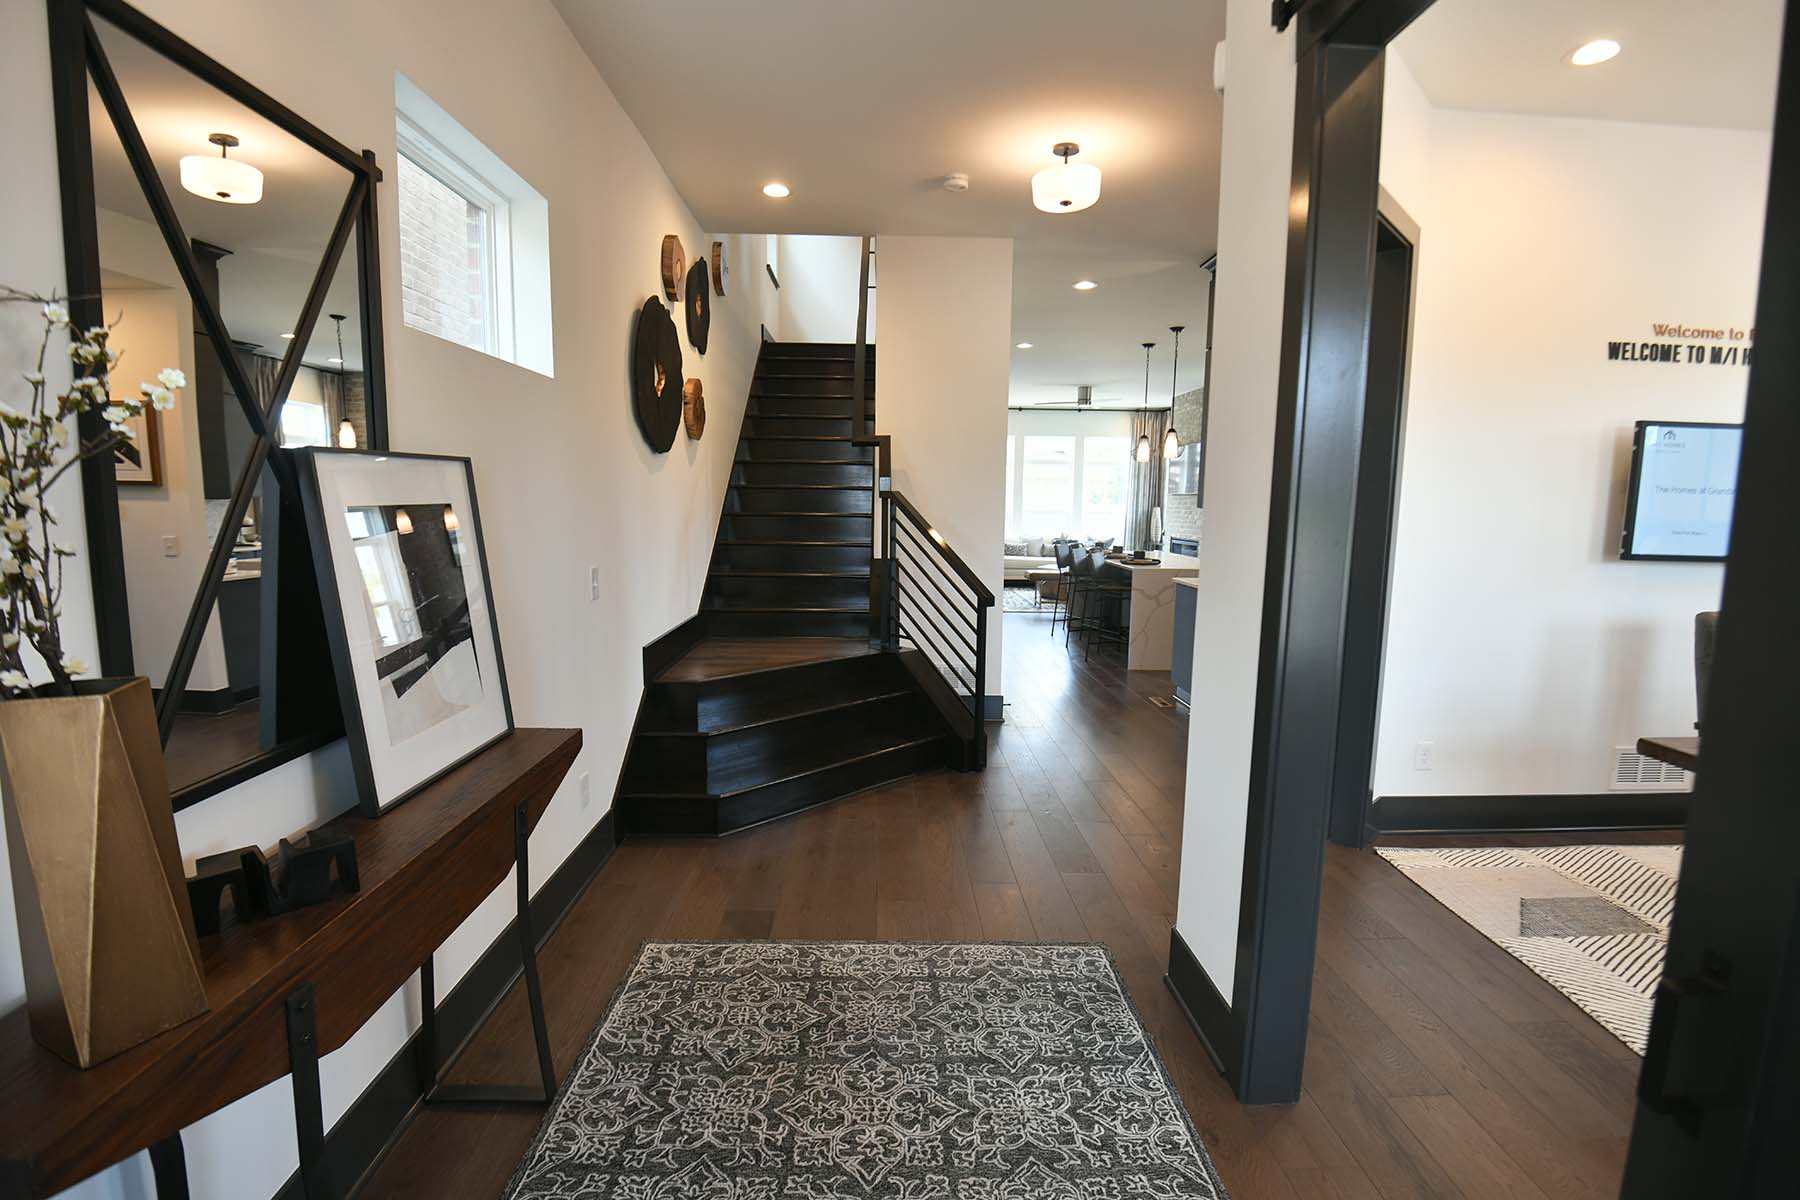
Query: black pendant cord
point(1175, 376)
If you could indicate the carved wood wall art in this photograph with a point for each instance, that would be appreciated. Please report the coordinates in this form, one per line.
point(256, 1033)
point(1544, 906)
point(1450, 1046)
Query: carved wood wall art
point(656, 376)
point(674, 266)
point(693, 408)
point(698, 306)
point(720, 271)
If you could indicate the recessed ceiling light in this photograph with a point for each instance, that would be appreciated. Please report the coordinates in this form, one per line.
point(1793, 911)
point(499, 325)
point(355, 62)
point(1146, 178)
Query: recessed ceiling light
point(1085, 285)
point(287, 337)
point(1023, 346)
point(775, 191)
point(1595, 52)
point(336, 362)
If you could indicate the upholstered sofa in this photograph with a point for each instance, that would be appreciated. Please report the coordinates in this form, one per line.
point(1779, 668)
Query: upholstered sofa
point(1027, 555)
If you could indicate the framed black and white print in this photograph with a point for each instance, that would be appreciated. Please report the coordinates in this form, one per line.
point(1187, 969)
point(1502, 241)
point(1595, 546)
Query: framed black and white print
point(409, 613)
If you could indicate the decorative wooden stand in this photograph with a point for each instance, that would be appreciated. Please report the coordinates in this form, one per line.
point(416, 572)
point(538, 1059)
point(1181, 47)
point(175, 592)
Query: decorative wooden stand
point(284, 991)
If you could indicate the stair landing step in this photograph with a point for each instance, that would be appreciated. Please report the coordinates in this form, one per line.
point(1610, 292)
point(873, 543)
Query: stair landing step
point(776, 716)
point(909, 743)
point(724, 658)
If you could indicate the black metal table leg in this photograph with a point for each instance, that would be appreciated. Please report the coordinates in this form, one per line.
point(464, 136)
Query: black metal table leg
point(493, 1095)
point(309, 1117)
point(168, 1166)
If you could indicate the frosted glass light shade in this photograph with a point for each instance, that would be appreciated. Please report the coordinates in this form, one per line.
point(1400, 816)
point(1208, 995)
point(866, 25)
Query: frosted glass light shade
point(1171, 444)
point(1143, 448)
point(346, 438)
point(226, 180)
point(1066, 187)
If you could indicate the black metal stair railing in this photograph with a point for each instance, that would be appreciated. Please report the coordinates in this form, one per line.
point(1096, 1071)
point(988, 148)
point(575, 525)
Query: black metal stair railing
point(933, 602)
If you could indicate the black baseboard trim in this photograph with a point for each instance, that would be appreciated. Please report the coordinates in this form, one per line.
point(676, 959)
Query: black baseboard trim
point(372, 1124)
point(1206, 1011)
point(672, 645)
point(993, 708)
point(1622, 811)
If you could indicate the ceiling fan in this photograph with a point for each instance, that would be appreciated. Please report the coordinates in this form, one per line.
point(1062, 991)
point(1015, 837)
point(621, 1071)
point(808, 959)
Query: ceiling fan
point(1084, 398)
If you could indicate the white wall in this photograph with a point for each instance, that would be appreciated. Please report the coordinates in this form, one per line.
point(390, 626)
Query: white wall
point(1519, 644)
point(820, 278)
point(564, 476)
point(1255, 159)
point(945, 353)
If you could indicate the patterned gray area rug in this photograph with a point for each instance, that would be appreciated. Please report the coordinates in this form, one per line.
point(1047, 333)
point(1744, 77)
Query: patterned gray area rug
point(868, 1071)
point(1593, 921)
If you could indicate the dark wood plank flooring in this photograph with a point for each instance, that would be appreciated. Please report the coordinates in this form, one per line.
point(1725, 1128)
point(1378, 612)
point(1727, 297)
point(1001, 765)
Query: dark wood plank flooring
point(1438, 1065)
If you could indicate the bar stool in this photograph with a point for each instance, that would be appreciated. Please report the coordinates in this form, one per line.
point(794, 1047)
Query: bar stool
point(1064, 558)
point(1091, 599)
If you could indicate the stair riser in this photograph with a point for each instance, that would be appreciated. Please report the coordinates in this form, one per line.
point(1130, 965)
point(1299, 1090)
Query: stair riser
point(848, 474)
point(752, 525)
point(709, 818)
point(786, 368)
point(815, 406)
point(765, 448)
point(789, 500)
point(768, 591)
point(726, 623)
point(723, 702)
point(775, 386)
point(798, 427)
point(792, 558)
point(841, 351)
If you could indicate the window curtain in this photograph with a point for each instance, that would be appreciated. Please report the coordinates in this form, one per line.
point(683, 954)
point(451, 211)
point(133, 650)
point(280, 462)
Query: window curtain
point(331, 390)
point(260, 370)
point(1145, 495)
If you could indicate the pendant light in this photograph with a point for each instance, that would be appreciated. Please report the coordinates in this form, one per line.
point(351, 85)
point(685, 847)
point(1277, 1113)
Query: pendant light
point(346, 432)
point(1143, 446)
point(1067, 187)
point(1172, 440)
point(226, 180)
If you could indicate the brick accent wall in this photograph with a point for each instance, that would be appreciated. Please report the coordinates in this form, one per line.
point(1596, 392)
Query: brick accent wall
point(442, 251)
point(1181, 516)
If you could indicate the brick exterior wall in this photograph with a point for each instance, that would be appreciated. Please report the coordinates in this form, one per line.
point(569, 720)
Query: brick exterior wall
point(441, 256)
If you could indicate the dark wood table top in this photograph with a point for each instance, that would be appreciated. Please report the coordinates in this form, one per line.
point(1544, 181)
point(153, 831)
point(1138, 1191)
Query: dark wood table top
point(424, 866)
point(1683, 752)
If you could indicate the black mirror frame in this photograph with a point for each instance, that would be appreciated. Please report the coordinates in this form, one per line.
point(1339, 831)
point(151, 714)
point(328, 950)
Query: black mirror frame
point(75, 55)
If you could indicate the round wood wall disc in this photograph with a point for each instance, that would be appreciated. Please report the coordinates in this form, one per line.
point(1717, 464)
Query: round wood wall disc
point(697, 304)
point(693, 408)
point(719, 270)
point(655, 370)
point(674, 266)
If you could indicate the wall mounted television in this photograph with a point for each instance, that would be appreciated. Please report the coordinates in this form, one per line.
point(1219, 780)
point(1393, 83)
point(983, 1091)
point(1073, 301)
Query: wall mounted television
point(1683, 485)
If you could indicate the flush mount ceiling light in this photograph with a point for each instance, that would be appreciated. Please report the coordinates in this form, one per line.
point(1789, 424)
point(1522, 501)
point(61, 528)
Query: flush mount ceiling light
point(1023, 346)
point(227, 180)
point(1084, 285)
point(776, 190)
point(1595, 52)
point(1067, 187)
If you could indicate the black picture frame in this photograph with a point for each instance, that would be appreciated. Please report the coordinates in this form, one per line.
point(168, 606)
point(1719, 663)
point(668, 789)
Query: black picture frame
point(320, 525)
point(1629, 533)
point(76, 56)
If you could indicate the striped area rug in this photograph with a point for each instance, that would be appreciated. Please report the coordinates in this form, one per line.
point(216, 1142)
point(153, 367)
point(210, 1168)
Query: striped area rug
point(1592, 920)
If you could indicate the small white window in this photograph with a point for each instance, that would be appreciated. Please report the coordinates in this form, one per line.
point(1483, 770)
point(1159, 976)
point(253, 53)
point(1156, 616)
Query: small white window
point(304, 423)
point(474, 239)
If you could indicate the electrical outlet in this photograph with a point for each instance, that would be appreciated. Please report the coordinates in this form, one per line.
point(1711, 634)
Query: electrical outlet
point(593, 583)
point(587, 790)
point(1422, 756)
point(171, 546)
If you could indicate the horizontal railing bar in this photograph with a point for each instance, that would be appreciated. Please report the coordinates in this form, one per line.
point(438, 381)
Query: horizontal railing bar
point(947, 652)
point(920, 573)
point(951, 672)
point(955, 560)
point(928, 552)
point(948, 627)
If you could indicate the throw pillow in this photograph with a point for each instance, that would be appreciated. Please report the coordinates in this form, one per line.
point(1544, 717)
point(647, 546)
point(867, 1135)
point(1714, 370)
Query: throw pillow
point(1014, 549)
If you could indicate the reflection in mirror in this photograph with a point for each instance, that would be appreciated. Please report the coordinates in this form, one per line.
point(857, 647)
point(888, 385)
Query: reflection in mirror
point(258, 229)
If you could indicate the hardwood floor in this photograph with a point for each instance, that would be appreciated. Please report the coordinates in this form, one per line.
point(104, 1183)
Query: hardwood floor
point(1438, 1065)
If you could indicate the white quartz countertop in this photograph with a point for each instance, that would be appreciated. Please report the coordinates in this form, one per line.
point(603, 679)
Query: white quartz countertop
point(1188, 581)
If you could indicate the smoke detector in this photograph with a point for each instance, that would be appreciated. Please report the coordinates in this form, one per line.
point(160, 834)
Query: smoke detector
point(956, 182)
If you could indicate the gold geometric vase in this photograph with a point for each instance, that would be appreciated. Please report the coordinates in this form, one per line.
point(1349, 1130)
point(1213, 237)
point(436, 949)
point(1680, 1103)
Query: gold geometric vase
point(105, 929)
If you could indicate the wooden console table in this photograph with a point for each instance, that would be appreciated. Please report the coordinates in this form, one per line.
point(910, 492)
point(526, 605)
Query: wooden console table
point(1683, 752)
point(284, 990)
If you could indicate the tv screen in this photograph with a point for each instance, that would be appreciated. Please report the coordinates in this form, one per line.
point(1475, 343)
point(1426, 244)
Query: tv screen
point(1683, 484)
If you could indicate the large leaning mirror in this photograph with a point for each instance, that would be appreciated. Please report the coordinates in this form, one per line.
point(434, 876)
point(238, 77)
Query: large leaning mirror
point(233, 240)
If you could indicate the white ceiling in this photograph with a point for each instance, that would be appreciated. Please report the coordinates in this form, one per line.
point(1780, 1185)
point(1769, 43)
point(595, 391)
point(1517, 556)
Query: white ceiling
point(277, 243)
point(1683, 62)
point(863, 106)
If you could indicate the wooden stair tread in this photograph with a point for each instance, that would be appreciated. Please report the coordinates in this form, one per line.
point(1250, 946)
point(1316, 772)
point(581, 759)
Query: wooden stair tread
point(908, 743)
point(728, 658)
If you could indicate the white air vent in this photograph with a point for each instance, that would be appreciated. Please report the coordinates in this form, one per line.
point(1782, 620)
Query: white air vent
point(1634, 772)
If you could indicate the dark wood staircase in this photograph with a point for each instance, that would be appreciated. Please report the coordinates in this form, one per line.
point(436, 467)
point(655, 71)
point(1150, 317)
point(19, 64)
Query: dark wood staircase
point(777, 696)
